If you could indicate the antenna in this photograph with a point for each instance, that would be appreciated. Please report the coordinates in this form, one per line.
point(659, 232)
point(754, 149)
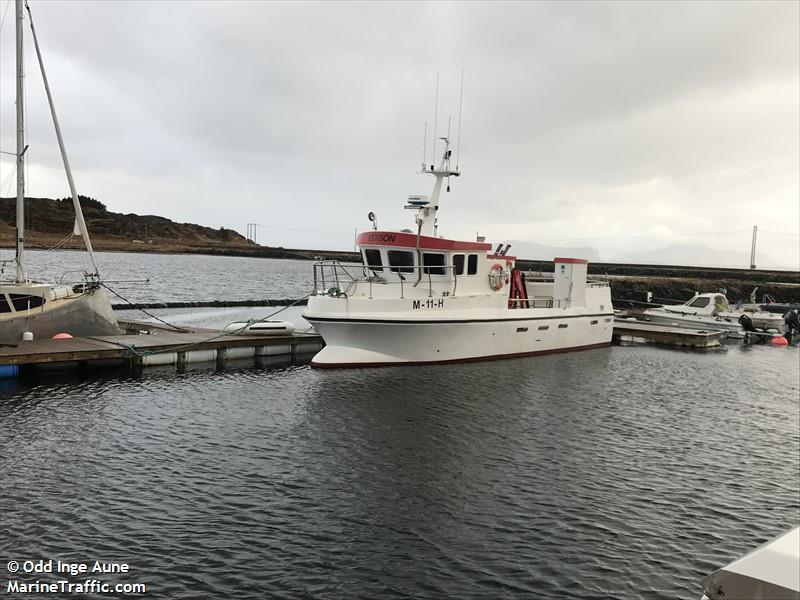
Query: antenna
point(424, 145)
point(435, 115)
point(460, 104)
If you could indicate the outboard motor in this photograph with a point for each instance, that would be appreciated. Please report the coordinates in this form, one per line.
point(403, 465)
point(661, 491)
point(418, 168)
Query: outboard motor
point(792, 320)
point(747, 323)
point(751, 335)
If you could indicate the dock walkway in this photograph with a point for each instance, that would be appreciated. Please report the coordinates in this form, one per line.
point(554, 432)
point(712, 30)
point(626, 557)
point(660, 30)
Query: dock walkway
point(629, 330)
point(155, 345)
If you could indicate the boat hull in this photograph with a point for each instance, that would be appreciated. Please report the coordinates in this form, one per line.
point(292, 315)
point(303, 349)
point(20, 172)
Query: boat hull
point(733, 329)
point(84, 315)
point(356, 343)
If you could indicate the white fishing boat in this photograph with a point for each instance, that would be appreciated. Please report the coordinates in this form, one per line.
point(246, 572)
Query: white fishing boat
point(770, 572)
point(419, 298)
point(34, 309)
point(712, 311)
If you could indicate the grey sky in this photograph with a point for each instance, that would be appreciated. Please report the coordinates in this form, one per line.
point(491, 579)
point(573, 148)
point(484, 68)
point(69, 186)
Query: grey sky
point(620, 126)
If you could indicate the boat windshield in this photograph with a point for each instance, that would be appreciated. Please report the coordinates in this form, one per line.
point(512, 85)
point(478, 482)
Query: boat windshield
point(700, 303)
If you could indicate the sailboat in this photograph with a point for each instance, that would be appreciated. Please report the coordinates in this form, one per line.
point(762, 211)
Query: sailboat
point(31, 309)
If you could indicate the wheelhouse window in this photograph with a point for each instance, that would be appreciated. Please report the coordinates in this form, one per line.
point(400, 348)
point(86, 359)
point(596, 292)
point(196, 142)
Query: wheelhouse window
point(472, 264)
point(433, 263)
point(458, 264)
point(4, 305)
point(372, 259)
point(401, 261)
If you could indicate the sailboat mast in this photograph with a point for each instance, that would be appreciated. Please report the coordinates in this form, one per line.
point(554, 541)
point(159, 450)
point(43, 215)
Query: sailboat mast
point(20, 149)
point(75, 201)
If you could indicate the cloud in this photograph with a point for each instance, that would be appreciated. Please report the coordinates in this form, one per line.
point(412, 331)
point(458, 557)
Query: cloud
point(580, 120)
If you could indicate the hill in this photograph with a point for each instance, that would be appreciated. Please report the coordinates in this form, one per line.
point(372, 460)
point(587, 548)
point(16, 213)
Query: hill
point(48, 222)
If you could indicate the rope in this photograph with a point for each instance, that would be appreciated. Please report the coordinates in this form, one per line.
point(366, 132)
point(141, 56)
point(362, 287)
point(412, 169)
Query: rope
point(149, 314)
point(132, 349)
point(62, 242)
point(227, 333)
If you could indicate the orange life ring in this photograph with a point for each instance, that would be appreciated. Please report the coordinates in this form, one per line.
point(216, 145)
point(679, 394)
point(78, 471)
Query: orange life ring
point(497, 277)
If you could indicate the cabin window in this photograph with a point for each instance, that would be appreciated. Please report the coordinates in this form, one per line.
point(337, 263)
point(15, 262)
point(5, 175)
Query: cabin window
point(401, 261)
point(593, 322)
point(458, 264)
point(544, 327)
point(372, 259)
point(4, 305)
point(22, 302)
point(700, 303)
point(562, 325)
point(433, 263)
point(472, 264)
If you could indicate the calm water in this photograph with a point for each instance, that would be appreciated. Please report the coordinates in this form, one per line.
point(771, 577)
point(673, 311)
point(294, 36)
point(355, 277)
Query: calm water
point(179, 277)
point(628, 472)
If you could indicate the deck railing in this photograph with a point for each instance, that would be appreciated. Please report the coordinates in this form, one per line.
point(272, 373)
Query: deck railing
point(331, 278)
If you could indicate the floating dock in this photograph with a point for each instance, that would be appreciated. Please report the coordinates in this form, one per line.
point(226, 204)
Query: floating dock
point(630, 330)
point(149, 345)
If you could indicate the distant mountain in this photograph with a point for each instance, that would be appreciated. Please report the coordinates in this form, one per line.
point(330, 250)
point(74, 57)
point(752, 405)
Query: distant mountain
point(694, 255)
point(531, 251)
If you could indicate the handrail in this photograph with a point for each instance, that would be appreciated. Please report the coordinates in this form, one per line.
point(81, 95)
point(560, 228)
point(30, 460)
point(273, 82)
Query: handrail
point(331, 271)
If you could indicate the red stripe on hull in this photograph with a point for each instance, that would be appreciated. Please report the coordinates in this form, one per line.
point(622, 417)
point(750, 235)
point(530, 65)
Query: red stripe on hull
point(455, 360)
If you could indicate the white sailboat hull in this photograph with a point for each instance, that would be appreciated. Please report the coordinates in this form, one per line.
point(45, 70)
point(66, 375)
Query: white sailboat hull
point(354, 342)
point(85, 314)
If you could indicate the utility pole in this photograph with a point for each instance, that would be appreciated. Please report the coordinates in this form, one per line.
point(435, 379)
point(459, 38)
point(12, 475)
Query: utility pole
point(753, 248)
point(252, 232)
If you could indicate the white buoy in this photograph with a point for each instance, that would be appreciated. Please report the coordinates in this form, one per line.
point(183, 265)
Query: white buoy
point(27, 336)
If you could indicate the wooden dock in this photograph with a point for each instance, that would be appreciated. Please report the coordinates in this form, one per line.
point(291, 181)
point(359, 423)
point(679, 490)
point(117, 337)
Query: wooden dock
point(629, 330)
point(150, 345)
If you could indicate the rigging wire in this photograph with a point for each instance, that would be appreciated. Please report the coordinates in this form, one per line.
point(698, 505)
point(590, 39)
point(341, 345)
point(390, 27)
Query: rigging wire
point(62, 242)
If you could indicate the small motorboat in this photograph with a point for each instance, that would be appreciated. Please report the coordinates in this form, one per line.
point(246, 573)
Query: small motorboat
point(259, 328)
point(712, 311)
point(770, 572)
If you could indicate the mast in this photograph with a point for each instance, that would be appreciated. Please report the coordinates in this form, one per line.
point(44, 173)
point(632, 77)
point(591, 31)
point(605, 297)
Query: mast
point(20, 259)
point(427, 215)
point(79, 221)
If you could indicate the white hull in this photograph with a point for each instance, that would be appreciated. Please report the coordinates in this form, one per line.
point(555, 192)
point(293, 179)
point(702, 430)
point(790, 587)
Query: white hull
point(353, 342)
point(693, 322)
point(82, 315)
